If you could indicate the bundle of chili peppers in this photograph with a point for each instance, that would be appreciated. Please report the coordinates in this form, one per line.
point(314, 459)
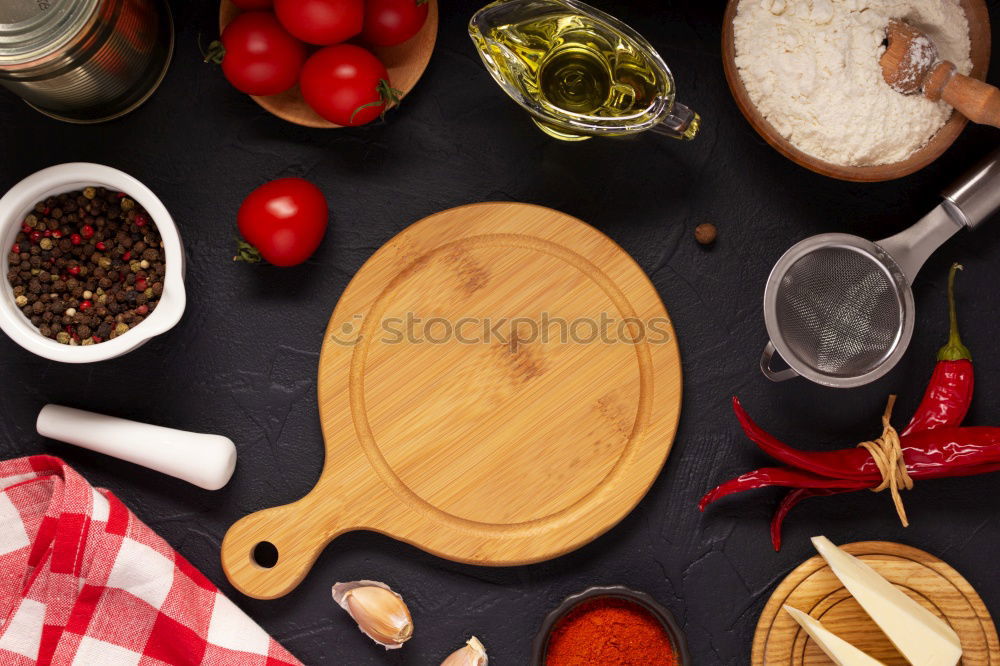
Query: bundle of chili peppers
point(932, 444)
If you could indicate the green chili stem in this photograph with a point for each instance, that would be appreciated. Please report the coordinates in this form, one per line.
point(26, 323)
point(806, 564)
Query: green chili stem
point(954, 350)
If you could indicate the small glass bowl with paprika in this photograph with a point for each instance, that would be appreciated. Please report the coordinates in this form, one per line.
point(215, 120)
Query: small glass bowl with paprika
point(611, 626)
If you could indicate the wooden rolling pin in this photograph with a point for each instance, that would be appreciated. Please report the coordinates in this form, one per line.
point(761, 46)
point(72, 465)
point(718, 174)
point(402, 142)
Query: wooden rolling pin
point(911, 65)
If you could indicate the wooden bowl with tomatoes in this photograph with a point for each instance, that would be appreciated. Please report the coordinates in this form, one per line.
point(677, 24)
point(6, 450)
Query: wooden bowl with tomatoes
point(404, 62)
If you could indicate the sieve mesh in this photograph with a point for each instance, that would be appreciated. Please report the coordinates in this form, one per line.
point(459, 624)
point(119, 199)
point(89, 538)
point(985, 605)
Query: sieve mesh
point(838, 311)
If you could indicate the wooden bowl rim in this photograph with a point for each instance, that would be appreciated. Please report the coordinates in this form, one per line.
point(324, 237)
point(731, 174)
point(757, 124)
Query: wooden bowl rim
point(227, 10)
point(979, 36)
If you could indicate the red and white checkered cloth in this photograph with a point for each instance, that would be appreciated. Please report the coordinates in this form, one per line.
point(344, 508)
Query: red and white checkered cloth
point(83, 581)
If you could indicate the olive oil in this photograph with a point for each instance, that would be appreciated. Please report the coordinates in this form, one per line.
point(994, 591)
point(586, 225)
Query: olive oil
point(577, 65)
point(578, 71)
point(574, 78)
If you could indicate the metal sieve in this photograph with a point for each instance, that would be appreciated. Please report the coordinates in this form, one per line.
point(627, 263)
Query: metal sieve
point(839, 308)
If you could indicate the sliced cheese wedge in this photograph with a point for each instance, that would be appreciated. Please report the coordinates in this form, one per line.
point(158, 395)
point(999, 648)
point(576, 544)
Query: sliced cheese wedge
point(836, 648)
point(919, 635)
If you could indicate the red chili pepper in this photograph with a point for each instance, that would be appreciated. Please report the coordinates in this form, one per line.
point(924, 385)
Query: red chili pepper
point(789, 501)
point(982, 439)
point(830, 464)
point(949, 392)
point(925, 452)
point(788, 477)
point(793, 497)
point(930, 453)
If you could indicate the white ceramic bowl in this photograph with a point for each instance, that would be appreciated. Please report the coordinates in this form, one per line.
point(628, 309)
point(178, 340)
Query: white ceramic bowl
point(20, 200)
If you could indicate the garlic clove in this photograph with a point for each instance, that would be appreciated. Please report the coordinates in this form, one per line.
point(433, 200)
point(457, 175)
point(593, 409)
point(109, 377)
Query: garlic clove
point(471, 654)
point(379, 612)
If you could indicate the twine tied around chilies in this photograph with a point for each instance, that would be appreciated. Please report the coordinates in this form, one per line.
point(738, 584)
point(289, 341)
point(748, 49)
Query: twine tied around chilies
point(888, 455)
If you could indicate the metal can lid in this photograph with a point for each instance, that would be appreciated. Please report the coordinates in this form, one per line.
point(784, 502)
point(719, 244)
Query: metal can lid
point(31, 29)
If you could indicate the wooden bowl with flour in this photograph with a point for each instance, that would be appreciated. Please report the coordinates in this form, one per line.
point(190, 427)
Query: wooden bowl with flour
point(979, 37)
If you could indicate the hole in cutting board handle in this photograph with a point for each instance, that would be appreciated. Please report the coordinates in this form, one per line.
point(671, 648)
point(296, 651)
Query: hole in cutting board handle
point(265, 554)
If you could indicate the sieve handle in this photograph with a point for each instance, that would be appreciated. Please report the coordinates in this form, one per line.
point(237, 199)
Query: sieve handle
point(976, 195)
point(771, 373)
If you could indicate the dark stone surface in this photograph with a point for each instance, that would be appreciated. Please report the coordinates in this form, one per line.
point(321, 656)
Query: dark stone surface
point(242, 362)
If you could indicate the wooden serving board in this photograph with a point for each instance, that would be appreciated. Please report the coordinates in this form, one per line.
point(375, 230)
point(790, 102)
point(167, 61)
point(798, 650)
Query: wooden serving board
point(477, 448)
point(814, 589)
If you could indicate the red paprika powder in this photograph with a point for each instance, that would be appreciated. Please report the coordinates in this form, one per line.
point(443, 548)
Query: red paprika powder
point(609, 631)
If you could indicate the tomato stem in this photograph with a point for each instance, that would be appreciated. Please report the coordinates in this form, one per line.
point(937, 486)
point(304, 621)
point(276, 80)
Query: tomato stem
point(387, 96)
point(215, 53)
point(246, 252)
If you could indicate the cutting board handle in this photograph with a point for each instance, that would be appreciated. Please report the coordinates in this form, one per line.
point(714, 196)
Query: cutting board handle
point(297, 531)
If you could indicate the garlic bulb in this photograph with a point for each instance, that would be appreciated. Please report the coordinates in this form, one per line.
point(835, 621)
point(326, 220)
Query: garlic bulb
point(379, 612)
point(471, 654)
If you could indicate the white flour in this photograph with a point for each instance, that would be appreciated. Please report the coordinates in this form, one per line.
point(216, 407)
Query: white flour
point(811, 68)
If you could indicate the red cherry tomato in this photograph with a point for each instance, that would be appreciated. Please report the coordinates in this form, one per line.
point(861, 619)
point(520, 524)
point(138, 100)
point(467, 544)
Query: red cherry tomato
point(284, 220)
point(260, 58)
point(321, 22)
point(250, 5)
point(391, 22)
point(346, 84)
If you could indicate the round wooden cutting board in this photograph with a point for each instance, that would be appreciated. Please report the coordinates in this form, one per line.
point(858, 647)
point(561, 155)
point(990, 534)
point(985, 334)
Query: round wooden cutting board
point(814, 589)
point(498, 385)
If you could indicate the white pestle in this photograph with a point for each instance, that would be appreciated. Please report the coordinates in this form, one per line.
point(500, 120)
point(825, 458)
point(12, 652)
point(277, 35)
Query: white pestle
point(205, 460)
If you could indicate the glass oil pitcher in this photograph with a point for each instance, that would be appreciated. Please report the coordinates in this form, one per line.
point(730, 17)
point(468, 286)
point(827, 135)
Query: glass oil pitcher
point(577, 71)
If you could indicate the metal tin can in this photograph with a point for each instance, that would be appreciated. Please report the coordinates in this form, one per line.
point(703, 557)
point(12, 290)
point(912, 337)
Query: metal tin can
point(84, 61)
